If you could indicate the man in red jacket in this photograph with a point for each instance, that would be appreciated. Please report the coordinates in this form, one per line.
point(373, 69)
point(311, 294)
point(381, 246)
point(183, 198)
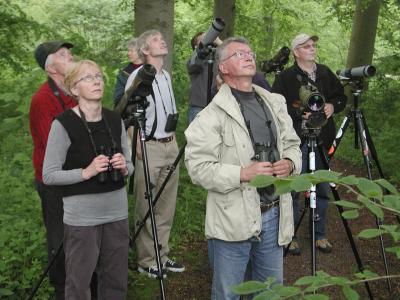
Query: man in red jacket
point(49, 101)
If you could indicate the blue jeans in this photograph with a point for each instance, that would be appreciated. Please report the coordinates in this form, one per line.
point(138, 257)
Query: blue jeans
point(229, 260)
point(193, 111)
point(323, 190)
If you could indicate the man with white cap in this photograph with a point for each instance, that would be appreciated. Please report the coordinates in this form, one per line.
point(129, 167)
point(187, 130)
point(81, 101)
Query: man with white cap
point(49, 101)
point(305, 71)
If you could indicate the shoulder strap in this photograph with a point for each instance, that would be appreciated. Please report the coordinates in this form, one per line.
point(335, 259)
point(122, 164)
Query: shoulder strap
point(56, 93)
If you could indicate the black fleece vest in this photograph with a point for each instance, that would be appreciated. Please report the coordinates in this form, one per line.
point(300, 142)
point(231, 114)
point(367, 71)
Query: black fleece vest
point(81, 153)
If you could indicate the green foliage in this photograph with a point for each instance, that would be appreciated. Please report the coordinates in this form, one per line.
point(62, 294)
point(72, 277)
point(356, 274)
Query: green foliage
point(99, 31)
point(16, 30)
point(371, 195)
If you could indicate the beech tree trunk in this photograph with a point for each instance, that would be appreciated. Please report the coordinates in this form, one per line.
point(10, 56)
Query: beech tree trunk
point(363, 33)
point(225, 9)
point(159, 15)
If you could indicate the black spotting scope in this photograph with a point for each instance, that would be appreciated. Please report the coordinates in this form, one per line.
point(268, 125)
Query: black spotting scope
point(139, 89)
point(213, 31)
point(356, 72)
point(277, 62)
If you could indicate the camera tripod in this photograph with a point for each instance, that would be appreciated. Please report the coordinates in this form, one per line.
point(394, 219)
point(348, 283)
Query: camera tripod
point(312, 147)
point(368, 150)
point(139, 123)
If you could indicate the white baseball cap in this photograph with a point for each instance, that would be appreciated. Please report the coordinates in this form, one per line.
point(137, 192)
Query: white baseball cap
point(303, 38)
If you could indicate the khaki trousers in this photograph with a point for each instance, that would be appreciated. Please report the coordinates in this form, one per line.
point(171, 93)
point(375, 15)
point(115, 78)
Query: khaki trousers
point(160, 157)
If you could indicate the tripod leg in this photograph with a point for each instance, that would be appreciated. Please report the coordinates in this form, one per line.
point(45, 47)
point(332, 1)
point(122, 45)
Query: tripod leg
point(349, 234)
point(297, 226)
point(339, 135)
point(366, 155)
point(149, 197)
point(133, 156)
point(141, 223)
point(372, 148)
point(45, 272)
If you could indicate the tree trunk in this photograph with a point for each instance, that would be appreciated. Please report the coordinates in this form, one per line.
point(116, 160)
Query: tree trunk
point(225, 9)
point(159, 15)
point(363, 33)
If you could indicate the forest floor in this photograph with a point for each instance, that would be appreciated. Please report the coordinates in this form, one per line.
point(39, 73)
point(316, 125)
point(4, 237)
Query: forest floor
point(195, 282)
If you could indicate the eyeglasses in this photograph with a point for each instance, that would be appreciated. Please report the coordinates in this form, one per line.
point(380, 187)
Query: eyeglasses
point(90, 78)
point(240, 54)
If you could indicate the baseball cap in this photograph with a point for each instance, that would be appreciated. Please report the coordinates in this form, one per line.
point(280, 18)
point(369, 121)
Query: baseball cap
point(303, 38)
point(44, 50)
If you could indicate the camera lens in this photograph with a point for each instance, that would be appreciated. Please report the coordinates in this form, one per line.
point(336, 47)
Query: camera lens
point(315, 102)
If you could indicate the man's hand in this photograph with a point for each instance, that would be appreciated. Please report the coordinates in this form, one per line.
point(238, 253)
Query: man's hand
point(257, 168)
point(328, 110)
point(282, 168)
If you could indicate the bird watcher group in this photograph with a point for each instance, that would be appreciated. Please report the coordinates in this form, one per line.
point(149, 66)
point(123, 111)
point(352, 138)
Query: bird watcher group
point(82, 159)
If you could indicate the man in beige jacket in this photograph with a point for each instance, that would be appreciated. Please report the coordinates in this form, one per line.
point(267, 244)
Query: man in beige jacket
point(245, 131)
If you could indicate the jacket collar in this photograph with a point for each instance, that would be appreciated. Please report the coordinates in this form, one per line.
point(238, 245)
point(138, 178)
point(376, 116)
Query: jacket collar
point(227, 102)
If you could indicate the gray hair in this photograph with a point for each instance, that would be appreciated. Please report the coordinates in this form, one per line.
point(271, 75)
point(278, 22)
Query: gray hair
point(142, 42)
point(221, 49)
point(133, 44)
point(49, 61)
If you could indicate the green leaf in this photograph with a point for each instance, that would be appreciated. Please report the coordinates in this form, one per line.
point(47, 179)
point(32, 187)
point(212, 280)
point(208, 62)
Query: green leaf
point(395, 250)
point(350, 293)
point(286, 291)
point(305, 280)
point(370, 233)
point(366, 274)
point(300, 183)
point(5, 292)
point(350, 214)
point(249, 287)
point(316, 297)
point(387, 185)
point(263, 180)
point(347, 204)
point(338, 281)
point(349, 180)
point(267, 295)
point(283, 187)
point(327, 176)
point(369, 188)
point(376, 210)
point(392, 201)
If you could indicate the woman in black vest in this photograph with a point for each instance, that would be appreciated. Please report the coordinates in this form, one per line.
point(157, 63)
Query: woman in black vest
point(88, 157)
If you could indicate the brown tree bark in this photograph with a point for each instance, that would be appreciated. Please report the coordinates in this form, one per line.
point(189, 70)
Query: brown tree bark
point(363, 33)
point(159, 15)
point(225, 9)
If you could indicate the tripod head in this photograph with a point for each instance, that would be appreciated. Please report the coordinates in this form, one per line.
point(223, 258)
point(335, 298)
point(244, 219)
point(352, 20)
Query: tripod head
point(310, 132)
point(134, 98)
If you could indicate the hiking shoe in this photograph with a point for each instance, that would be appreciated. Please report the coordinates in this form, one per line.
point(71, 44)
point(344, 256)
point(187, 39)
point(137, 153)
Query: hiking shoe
point(324, 246)
point(151, 272)
point(294, 248)
point(173, 266)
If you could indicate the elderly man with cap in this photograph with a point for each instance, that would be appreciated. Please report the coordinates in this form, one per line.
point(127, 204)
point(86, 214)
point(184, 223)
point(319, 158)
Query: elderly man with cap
point(305, 71)
point(49, 101)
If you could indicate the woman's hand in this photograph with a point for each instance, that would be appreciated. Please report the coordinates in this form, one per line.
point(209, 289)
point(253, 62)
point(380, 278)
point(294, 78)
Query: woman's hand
point(118, 162)
point(98, 164)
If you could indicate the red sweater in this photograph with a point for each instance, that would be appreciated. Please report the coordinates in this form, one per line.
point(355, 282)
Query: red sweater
point(45, 106)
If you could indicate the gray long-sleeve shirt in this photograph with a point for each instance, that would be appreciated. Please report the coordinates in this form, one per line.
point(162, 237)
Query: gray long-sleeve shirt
point(88, 209)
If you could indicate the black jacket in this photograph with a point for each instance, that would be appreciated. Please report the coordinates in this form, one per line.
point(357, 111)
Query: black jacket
point(287, 83)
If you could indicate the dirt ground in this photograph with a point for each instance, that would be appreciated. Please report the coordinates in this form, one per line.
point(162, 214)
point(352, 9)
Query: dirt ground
point(195, 283)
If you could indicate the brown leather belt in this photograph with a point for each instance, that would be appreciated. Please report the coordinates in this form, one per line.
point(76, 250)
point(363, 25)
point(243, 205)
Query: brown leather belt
point(264, 207)
point(164, 140)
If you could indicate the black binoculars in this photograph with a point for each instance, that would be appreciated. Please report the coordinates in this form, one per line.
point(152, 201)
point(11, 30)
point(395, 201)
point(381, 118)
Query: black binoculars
point(114, 174)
